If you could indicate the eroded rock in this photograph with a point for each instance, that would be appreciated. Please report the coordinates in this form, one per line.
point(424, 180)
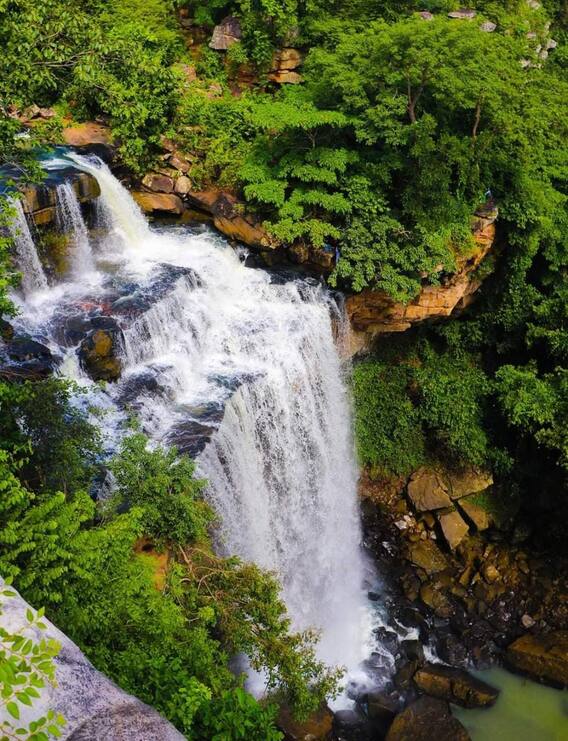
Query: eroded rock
point(158, 202)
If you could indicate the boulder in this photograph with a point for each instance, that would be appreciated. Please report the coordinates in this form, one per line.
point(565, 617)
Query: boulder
point(86, 134)
point(227, 33)
point(182, 186)
point(426, 15)
point(381, 708)
point(99, 352)
point(161, 202)
point(543, 657)
point(239, 229)
point(285, 77)
point(425, 719)
point(463, 14)
point(286, 59)
point(92, 705)
point(351, 725)
point(488, 27)
point(427, 555)
point(453, 527)
point(158, 183)
point(455, 685)
point(475, 514)
point(470, 481)
point(427, 490)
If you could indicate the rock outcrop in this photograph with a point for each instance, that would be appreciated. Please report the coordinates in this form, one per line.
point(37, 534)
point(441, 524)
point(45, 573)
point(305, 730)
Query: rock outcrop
point(158, 203)
point(93, 707)
point(372, 313)
point(39, 201)
point(99, 352)
point(227, 33)
point(543, 657)
point(285, 62)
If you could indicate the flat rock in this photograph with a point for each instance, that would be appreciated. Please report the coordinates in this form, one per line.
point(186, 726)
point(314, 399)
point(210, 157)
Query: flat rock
point(453, 527)
point(85, 134)
point(427, 490)
point(158, 183)
point(543, 657)
point(94, 707)
point(476, 514)
point(425, 720)
point(427, 555)
point(161, 202)
point(455, 685)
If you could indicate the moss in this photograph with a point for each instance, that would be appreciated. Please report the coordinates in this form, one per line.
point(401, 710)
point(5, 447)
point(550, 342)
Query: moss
point(54, 251)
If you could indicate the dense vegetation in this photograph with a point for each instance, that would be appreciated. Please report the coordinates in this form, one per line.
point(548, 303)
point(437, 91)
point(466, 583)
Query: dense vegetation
point(400, 130)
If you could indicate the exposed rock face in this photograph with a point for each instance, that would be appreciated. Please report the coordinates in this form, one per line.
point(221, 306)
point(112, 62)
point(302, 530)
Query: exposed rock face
point(227, 33)
point(39, 201)
point(424, 720)
point(455, 685)
point(99, 351)
point(284, 63)
point(470, 481)
point(374, 312)
point(94, 708)
point(158, 183)
point(427, 490)
point(158, 202)
point(87, 134)
point(476, 514)
point(542, 657)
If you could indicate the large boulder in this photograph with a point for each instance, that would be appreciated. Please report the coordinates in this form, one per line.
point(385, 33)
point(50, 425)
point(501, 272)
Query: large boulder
point(150, 203)
point(470, 481)
point(99, 352)
point(427, 719)
point(87, 134)
point(543, 657)
point(478, 516)
point(316, 728)
point(94, 708)
point(158, 183)
point(455, 685)
point(453, 527)
point(427, 490)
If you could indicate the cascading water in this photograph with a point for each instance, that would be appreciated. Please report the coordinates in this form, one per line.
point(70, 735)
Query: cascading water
point(70, 222)
point(241, 369)
point(33, 277)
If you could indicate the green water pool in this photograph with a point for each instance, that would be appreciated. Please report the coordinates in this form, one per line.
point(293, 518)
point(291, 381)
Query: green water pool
point(525, 711)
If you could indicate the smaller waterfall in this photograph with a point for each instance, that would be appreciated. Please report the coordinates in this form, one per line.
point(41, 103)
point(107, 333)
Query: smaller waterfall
point(33, 277)
point(70, 221)
point(124, 216)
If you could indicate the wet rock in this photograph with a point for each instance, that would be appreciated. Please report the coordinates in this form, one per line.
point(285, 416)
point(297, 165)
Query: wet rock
point(227, 33)
point(158, 202)
point(351, 725)
point(436, 599)
point(316, 728)
point(190, 436)
point(158, 183)
point(451, 650)
point(6, 330)
point(136, 386)
point(99, 352)
point(413, 650)
point(479, 517)
point(93, 707)
point(427, 555)
point(427, 490)
point(427, 719)
point(453, 528)
point(24, 348)
point(543, 657)
point(470, 481)
point(381, 708)
point(388, 639)
point(455, 685)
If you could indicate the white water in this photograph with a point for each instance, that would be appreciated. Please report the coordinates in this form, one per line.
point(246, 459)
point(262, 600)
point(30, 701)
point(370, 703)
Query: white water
point(280, 466)
point(70, 222)
point(33, 277)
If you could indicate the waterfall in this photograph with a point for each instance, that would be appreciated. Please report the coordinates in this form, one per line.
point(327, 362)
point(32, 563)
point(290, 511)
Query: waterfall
point(33, 277)
point(70, 222)
point(248, 361)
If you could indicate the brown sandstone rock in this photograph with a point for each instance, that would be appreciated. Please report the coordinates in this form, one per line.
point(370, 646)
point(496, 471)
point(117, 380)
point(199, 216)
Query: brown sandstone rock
point(158, 183)
point(285, 77)
point(99, 355)
point(476, 514)
point(427, 719)
point(427, 490)
point(427, 555)
point(161, 202)
point(453, 527)
point(81, 135)
point(287, 58)
point(183, 185)
point(470, 481)
point(241, 230)
point(455, 685)
point(543, 657)
point(316, 728)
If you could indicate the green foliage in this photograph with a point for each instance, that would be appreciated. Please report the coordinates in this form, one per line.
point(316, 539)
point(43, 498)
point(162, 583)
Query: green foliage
point(163, 485)
point(26, 668)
